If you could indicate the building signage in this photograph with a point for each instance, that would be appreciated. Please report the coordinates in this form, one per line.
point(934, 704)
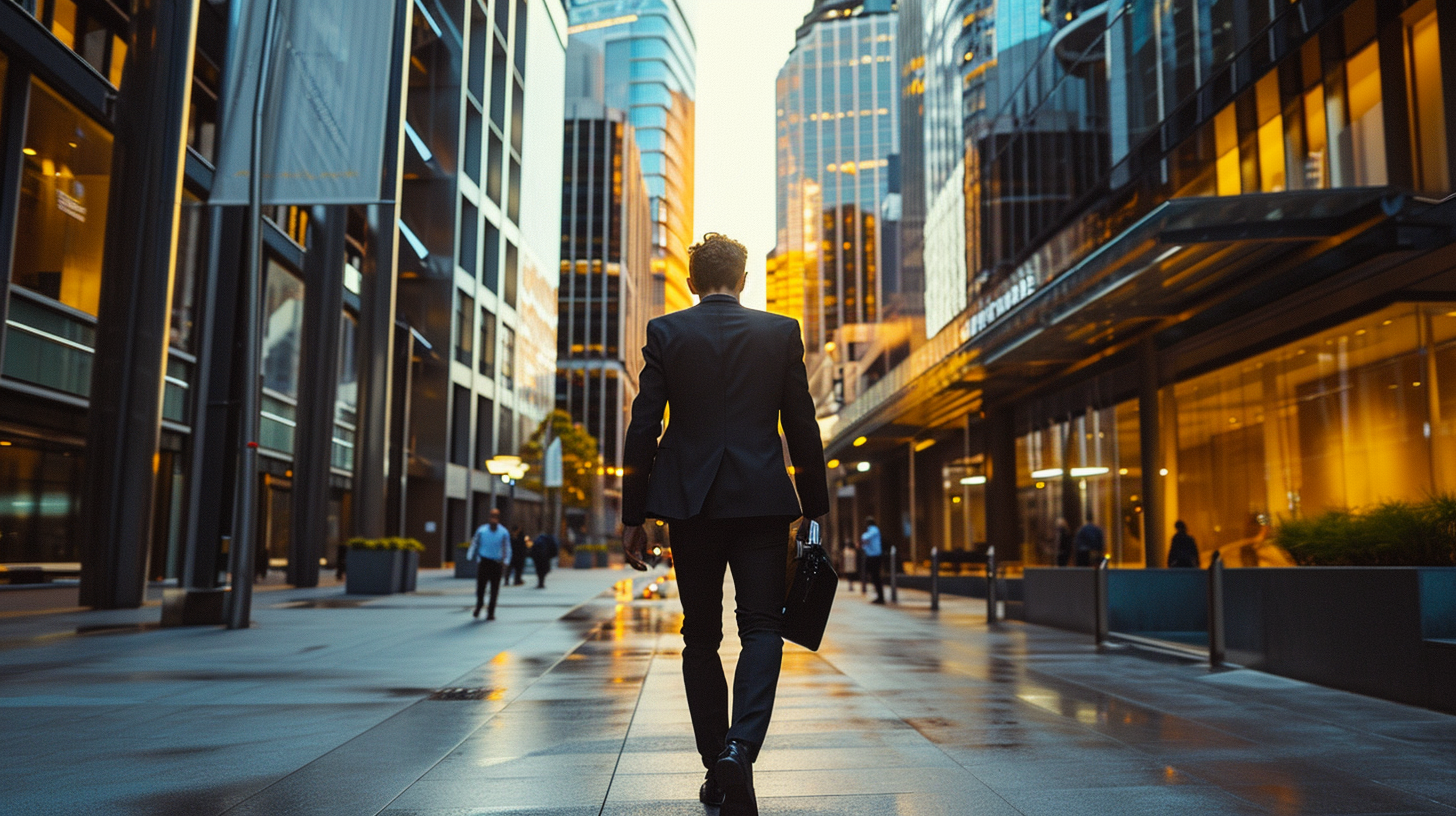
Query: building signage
point(1021, 289)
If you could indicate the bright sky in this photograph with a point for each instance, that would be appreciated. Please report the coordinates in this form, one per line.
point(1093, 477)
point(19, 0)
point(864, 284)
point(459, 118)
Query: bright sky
point(742, 44)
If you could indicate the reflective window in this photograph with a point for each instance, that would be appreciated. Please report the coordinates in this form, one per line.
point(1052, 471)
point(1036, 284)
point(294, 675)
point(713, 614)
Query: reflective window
point(282, 329)
point(1344, 419)
point(40, 487)
point(63, 199)
point(1427, 105)
point(464, 328)
point(191, 262)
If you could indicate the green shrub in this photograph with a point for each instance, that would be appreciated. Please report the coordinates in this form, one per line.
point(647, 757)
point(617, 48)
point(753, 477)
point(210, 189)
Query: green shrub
point(391, 543)
point(1392, 534)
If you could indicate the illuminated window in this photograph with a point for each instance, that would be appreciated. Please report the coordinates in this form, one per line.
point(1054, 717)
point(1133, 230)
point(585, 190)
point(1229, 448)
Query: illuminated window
point(1271, 134)
point(1226, 145)
point(1427, 107)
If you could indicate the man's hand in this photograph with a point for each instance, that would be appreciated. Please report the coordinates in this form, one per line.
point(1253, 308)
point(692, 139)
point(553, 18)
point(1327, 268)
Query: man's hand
point(634, 546)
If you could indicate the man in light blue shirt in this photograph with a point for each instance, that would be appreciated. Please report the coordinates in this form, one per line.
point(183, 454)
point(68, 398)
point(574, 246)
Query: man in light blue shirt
point(491, 547)
point(874, 556)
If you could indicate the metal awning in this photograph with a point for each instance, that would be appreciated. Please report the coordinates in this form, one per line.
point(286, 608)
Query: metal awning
point(1188, 257)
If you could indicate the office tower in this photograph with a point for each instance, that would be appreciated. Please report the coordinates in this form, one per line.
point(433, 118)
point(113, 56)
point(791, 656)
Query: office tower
point(838, 126)
point(606, 281)
point(639, 56)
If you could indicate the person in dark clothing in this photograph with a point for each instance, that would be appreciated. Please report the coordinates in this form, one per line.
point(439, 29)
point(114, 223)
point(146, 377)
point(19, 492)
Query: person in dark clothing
point(518, 557)
point(1064, 542)
point(543, 549)
point(732, 376)
point(1183, 551)
point(1090, 544)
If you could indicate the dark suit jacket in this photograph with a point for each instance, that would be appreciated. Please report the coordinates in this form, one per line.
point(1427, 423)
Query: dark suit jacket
point(731, 375)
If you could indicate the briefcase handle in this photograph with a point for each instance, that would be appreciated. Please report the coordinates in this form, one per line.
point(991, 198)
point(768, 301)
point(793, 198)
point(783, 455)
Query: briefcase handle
point(806, 538)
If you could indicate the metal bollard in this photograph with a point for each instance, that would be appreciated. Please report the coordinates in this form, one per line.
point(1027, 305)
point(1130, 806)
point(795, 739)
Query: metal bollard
point(1099, 600)
point(1216, 643)
point(934, 579)
point(993, 606)
point(894, 580)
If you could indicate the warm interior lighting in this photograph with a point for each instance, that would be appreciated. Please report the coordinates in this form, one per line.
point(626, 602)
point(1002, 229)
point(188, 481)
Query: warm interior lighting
point(5, 443)
point(860, 441)
point(1048, 473)
point(29, 151)
point(862, 467)
point(923, 444)
point(1122, 471)
point(832, 464)
point(1089, 471)
point(955, 499)
point(973, 480)
point(1040, 485)
point(829, 347)
point(1163, 472)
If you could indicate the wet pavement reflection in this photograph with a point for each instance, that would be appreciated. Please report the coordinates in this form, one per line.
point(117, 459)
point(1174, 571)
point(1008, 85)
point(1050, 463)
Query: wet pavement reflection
point(903, 711)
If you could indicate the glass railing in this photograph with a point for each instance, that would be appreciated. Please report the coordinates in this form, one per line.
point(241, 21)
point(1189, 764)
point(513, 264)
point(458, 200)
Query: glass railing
point(48, 347)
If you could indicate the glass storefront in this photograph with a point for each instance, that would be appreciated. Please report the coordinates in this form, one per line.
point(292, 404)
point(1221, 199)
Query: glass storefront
point(1085, 468)
point(1347, 418)
point(39, 514)
point(282, 336)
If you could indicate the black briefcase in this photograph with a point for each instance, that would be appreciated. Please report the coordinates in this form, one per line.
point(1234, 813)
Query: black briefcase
point(811, 593)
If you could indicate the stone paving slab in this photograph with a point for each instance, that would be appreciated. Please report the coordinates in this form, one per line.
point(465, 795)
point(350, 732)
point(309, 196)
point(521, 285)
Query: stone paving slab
point(578, 708)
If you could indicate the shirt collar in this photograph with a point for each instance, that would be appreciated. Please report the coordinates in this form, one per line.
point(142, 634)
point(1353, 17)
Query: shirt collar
point(718, 298)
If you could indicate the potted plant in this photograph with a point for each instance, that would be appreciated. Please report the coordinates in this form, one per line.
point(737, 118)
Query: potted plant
point(382, 566)
point(582, 557)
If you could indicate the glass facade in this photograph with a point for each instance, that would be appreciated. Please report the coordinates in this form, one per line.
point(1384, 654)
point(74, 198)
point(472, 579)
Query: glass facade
point(838, 124)
point(640, 56)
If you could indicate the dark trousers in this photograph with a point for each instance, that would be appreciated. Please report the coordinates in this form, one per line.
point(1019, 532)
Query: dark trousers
point(873, 565)
point(756, 549)
point(543, 566)
point(489, 572)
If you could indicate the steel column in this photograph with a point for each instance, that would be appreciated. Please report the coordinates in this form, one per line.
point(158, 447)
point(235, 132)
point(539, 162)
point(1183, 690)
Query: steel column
point(323, 308)
point(135, 306)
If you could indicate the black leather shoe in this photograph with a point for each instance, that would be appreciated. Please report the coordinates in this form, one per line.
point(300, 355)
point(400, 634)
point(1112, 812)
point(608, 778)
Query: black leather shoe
point(734, 773)
point(710, 793)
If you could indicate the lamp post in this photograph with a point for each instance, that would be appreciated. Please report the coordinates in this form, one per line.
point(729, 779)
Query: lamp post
point(500, 465)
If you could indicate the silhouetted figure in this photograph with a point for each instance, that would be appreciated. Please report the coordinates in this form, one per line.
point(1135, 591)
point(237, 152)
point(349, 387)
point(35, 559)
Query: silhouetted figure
point(518, 557)
point(873, 546)
point(1064, 542)
point(543, 549)
point(731, 375)
point(491, 547)
point(1183, 551)
point(1090, 544)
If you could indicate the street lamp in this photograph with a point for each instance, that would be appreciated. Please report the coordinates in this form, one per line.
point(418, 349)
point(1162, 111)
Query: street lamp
point(501, 465)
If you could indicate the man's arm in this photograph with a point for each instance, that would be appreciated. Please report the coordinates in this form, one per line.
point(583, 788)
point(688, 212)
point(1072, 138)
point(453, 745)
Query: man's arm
point(796, 414)
point(640, 447)
point(470, 554)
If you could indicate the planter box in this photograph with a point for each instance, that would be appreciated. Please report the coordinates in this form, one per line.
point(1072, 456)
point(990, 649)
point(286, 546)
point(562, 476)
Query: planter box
point(582, 560)
point(1063, 597)
point(374, 572)
point(1381, 631)
point(463, 567)
point(409, 570)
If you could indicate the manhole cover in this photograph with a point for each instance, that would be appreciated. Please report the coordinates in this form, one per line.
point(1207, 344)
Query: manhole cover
point(456, 694)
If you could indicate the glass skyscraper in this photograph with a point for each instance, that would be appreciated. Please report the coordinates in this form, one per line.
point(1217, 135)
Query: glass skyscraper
point(640, 56)
point(838, 124)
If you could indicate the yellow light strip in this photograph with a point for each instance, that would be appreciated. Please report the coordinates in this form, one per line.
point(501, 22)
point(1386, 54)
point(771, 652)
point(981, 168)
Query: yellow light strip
point(614, 21)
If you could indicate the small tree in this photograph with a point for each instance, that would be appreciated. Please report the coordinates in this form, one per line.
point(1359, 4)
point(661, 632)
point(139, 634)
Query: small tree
point(579, 460)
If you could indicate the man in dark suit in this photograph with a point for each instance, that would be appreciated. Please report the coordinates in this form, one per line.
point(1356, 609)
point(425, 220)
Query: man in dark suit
point(732, 376)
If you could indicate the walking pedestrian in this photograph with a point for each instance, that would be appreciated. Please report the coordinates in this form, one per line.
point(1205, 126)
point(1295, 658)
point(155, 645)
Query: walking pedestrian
point(543, 549)
point(732, 376)
point(874, 561)
point(1183, 551)
point(491, 547)
point(519, 547)
point(1090, 543)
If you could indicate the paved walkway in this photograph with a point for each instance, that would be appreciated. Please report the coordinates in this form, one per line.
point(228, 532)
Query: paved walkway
point(572, 705)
